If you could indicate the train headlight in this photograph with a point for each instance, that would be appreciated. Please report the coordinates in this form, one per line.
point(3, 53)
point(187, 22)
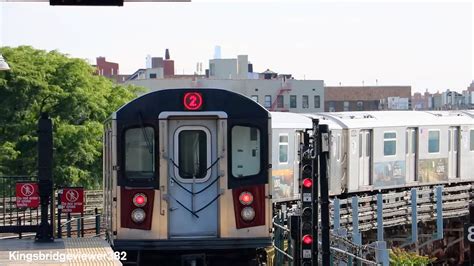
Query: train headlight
point(139, 199)
point(138, 215)
point(246, 198)
point(248, 214)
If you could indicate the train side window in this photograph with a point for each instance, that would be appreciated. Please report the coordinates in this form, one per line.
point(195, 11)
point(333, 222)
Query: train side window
point(246, 149)
point(283, 149)
point(389, 143)
point(433, 141)
point(472, 139)
point(140, 152)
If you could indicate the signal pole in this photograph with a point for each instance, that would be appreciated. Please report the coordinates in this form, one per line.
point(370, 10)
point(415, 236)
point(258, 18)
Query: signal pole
point(45, 168)
point(323, 162)
point(315, 193)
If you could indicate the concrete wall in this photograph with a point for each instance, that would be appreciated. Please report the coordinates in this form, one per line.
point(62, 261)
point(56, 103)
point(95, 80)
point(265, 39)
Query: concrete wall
point(223, 68)
point(259, 88)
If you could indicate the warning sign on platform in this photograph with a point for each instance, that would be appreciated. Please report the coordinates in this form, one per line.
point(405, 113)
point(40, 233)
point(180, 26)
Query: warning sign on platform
point(27, 195)
point(72, 200)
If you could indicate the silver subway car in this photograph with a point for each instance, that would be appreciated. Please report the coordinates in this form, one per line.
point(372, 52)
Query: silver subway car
point(379, 150)
point(186, 174)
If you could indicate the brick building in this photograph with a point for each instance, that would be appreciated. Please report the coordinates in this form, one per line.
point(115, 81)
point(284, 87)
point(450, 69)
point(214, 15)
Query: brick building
point(109, 70)
point(366, 98)
point(106, 69)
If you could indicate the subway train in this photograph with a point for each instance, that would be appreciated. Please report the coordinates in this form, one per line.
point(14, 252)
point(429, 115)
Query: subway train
point(191, 175)
point(186, 178)
point(377, 150)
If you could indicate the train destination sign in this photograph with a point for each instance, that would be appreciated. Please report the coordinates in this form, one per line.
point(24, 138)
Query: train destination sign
point(72, 200)
point(27, 195)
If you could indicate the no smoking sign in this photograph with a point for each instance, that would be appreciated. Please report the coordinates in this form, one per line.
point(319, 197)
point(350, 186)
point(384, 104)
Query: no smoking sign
point(72, 200)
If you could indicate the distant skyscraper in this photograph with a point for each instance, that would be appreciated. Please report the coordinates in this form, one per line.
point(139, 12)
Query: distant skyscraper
point(217, 52)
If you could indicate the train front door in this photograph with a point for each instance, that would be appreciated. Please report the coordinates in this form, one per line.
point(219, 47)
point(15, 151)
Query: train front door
point(192, 170)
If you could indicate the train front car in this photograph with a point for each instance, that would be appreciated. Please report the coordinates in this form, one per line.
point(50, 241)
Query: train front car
point(186, 175)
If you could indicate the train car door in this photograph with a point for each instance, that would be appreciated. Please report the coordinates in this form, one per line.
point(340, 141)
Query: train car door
point(453, 147)
point(193, 192)
point(410, 148)
point(365, 141)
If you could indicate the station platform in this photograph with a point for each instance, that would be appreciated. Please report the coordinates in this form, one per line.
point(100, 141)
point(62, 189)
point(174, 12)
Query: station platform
point(66, 251)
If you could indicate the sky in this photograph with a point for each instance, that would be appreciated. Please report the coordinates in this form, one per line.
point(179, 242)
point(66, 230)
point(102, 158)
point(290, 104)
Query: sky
point(428, 45)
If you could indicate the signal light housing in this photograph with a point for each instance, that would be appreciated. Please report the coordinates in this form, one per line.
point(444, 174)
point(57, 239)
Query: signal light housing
point(139, 199)
point(307, 239)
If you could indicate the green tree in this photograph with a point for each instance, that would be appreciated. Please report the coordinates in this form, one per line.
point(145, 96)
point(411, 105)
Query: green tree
point(400, 257)
point(77, 100)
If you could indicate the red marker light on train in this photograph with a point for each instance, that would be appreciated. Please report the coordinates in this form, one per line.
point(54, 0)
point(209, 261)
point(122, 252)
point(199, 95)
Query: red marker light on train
point(139, 200)
point(307, 239)
point(307, 182)
point(192, 101)
point(246, 198)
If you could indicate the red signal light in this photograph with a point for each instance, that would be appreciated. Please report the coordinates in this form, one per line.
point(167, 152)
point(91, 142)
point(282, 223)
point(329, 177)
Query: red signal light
point(139, 200)
point(246, 198)
point(192, 101)
point(307, 182)
point(307, 239)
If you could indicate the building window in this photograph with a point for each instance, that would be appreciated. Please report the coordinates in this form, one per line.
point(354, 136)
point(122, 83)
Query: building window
point(332, 106)
point(245, 148)
point(140, 152)
point(472, 139)
point(317, 101)
point(268, 101)
point(292, 101)
point(255, 98)
point(305, 101)
point(280, 101)
point(346, 106)
point(283, 149)
point(433, 141)
point(389, 143)
point(153, 75)
point(112, 71)
point(360, 106)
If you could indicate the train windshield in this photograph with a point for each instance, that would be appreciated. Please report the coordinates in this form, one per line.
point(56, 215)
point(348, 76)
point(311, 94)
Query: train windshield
point(245, 151)
point(140, 152)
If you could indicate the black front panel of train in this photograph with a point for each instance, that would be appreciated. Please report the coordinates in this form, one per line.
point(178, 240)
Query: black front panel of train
point(138, 135)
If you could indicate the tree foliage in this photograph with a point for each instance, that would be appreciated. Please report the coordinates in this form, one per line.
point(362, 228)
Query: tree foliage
point(77, 100)
point(400, 257)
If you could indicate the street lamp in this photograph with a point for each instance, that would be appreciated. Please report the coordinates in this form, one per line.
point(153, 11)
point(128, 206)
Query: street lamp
point(3, 64)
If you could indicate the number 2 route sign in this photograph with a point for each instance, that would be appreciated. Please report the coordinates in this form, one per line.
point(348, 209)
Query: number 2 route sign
point(72, 200)
point(27, 195)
